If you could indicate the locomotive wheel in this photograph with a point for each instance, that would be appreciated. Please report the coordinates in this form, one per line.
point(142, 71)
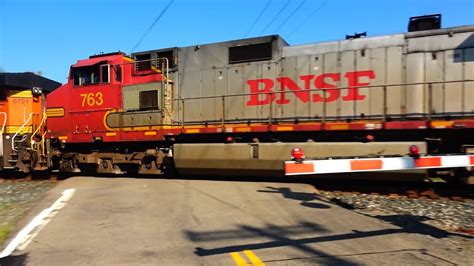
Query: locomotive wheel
point(105, 164)
point(148, 165)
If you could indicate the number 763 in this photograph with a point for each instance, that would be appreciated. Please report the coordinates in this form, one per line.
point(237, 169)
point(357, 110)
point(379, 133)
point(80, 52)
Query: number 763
point(92, 99)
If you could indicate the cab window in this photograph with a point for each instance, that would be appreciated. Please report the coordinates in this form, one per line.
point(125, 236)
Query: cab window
point(91, 74)
point(118, 73)
point(105, 73)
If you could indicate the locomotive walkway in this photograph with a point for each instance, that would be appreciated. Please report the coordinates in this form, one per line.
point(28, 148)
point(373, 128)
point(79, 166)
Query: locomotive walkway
point(110, 221)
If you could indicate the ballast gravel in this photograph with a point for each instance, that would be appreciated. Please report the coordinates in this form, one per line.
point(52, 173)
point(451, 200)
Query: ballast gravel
point(16, 199)
point(448, 222)
point(442, 213)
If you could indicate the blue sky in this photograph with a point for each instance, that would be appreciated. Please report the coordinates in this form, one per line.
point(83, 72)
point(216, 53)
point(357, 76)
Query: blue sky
point(50, 35)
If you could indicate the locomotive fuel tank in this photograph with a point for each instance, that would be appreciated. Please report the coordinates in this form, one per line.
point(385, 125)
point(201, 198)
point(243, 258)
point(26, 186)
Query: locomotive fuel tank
point(264, 159)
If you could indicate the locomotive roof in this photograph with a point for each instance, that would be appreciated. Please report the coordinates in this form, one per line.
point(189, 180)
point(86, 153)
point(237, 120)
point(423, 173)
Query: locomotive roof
point(329, 46)
point(373, 42)
point(96, 59)
point(27, 80)
point(235, 42)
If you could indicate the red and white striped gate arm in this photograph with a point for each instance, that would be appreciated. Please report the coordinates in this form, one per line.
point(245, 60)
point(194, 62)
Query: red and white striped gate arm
point(312, 167)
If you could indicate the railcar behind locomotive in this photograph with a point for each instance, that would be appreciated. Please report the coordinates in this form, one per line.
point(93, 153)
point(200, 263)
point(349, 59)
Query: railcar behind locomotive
point(154, 108)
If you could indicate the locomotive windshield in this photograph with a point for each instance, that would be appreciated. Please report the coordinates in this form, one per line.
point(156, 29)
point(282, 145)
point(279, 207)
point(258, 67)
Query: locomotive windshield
point(91, 74)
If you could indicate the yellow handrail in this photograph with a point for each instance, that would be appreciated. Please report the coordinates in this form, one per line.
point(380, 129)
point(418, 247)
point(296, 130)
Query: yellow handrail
point(32, 142)
point(19, 131)
point(4, 122)
point(42, 143)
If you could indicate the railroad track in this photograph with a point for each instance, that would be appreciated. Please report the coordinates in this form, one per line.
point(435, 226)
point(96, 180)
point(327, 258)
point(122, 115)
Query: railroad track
point(442, 205)
point(28, 178)
point(429, 190)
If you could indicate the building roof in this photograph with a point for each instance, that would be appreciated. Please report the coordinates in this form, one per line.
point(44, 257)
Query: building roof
point(27, 80)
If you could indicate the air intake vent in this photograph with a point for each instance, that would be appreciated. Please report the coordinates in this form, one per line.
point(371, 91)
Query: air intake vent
point(250, 53)
point(429, 22)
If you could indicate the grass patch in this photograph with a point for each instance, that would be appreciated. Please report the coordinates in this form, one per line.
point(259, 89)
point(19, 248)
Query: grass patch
point(5, 231)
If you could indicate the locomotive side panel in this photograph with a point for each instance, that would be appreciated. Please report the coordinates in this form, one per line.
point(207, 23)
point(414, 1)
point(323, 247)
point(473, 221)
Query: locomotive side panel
point(208, 105)
point(435, 69)
point(331, 65)
point(396, 95)
point(270, 70)
point(316, 67)
point(234, 103)
point(468, 100)
point(192, 109)
point(440, 56)
point(250, 72)
point(415, 73)
point(348, 64)
point(221, 81)
point(377, 60)
point(207, 72)
point(453, 72)
point(287, 108)
point(303, 110)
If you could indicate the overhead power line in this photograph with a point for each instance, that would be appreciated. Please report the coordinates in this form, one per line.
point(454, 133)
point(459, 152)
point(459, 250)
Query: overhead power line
point(258, 18)
point(274, 18)
point(307, 18)
point(152, 25)
point(291, 15)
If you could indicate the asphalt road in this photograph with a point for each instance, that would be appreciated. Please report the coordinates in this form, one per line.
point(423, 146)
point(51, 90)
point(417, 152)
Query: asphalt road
point(196, 222)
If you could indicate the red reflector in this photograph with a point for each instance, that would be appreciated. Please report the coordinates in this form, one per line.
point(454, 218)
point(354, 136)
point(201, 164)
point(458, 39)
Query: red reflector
point(297, 153)
point(229, 139)
point(414, 150)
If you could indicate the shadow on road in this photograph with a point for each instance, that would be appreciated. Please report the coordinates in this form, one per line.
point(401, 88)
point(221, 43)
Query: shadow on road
point(272, 236)
point(414, 225)
point(279, 237)
point(307, 199)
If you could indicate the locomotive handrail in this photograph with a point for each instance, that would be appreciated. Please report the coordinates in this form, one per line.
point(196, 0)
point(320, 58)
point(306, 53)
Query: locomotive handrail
point(167, 81)
point(43, 152)
point(19, 130)
point(181, 101)
point(36, 131)
point(4, 122)
point(325, 89)
point(166, 68)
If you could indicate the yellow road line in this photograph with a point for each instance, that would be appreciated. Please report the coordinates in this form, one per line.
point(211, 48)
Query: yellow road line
point(253, 258)
point(239, 261)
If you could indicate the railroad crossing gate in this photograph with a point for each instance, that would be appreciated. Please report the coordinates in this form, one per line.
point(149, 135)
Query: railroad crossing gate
point(331, 166)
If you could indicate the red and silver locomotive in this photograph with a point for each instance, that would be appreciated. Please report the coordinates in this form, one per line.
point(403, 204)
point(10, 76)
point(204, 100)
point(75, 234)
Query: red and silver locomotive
point(238, 106)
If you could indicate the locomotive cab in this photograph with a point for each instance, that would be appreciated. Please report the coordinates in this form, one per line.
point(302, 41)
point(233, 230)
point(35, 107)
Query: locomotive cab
point(109, 100)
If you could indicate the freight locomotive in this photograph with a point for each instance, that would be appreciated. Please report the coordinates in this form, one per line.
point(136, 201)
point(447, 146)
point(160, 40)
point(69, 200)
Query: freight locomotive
point(239, 107)
point(22, 120)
